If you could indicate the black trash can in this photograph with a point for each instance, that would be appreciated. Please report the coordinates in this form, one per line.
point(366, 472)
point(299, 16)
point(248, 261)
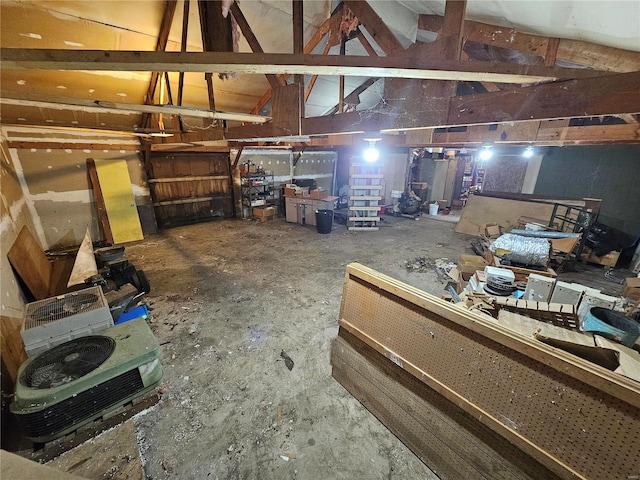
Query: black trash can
point(324, 220)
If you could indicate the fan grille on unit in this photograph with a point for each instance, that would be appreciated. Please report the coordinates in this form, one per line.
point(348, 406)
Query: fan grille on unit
point(71, 304)
point(67, 362)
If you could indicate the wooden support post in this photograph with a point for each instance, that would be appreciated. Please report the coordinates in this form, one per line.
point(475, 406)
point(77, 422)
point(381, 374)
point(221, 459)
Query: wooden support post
point(552, 52)
point(343, 44)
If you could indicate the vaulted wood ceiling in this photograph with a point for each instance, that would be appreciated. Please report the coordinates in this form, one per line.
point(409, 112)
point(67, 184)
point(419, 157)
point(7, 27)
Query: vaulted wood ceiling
point(138, 67)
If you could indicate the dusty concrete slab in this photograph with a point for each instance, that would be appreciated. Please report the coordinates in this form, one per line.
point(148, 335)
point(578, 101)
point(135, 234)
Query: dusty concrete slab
point(228, 298)
point(112, 455)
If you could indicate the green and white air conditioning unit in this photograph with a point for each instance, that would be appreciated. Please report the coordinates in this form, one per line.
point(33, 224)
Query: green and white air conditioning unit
point(78, 381)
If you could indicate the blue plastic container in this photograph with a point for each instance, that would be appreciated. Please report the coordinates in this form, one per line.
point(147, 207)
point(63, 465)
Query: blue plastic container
point(613, 325)
point(138, 312)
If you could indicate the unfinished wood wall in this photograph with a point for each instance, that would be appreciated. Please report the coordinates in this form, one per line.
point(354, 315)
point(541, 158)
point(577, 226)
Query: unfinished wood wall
point(190, 187)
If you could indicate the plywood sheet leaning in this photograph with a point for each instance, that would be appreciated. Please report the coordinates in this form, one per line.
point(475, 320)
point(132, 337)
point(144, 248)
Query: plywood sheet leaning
point(504, 212)
point(120, 204)
point(577, 419)
point(28, 258)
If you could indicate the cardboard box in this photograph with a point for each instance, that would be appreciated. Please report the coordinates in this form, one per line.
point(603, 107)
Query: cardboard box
point(264, 214)
point(289, 191)
point(609, 260)
point(492, 231)
point(319, 193)
point(631, 288)
point(468, 264)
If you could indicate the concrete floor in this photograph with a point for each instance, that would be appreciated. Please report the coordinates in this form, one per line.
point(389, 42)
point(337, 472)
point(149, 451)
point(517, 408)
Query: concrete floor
point(228, 297)
point(229, 300)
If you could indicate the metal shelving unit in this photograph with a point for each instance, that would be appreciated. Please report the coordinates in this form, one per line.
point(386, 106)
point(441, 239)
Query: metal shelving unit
point(257, 191)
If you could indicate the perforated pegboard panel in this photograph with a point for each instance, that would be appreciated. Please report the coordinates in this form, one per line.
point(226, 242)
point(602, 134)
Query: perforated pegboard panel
point(448, 440)
point(577, 430)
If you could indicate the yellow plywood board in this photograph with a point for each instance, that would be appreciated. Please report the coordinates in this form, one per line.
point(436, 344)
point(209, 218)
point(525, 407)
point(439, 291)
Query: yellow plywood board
point(115, 184)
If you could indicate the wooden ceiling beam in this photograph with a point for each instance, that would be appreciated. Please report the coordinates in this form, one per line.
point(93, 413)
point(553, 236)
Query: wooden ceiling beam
point(590, 55)
point(263, 63)
point(24, 145)
point(611, 95)
point(119, 108)
point(161, 44)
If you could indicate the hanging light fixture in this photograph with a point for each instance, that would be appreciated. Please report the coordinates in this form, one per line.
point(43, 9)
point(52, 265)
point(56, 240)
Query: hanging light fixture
point(528, 152)
point(371, 154)
point(485, 153)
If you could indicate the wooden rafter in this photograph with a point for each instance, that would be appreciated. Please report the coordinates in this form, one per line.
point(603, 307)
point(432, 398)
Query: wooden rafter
point(161, 45)
point(237, 157)
point(353, 98)
point(252, 40)
point(315, 40)
point(377, 29)
point(314, 78)
point(366, 44)
point(183, 46)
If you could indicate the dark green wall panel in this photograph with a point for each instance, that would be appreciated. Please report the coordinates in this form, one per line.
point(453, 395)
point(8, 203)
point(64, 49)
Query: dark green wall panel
point(611, 173)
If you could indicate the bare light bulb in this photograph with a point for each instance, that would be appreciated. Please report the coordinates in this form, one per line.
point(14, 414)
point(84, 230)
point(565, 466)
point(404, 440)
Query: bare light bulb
point(528, 152)
point(485, 153)
point(371, 154)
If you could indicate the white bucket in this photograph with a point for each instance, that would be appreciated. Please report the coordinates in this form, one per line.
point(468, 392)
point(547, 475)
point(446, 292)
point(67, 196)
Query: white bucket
point(433, 209)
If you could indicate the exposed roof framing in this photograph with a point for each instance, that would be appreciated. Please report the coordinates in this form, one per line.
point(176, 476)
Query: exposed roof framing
point(530, 79)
